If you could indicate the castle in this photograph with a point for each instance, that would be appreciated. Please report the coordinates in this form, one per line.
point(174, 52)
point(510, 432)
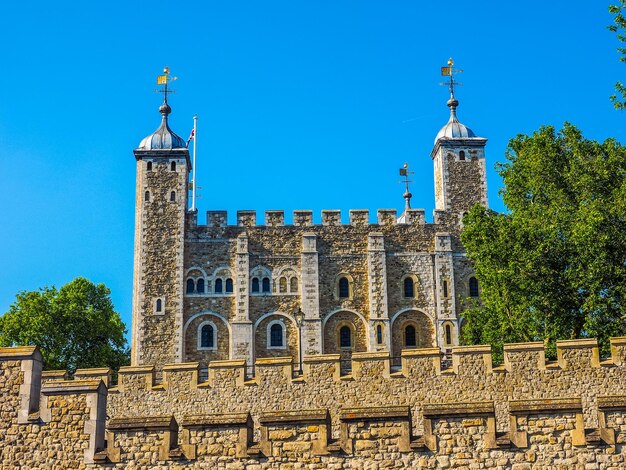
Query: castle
point(379, 382)
point(216, 292)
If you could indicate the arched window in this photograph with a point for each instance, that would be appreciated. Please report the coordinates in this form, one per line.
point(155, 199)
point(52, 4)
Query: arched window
point(473, 287)
point(218, 286)
point(173, 196)
point(207, 336)
point(379, 334)
point(345, 337)
point(410, 338)
point(146, 196)
point(448, 335)
point(158, 306)
point(200, 286)
point(293, 284)
point(190, 286)
point(445, 288)
point(149, 166)
point(173, 166)
point(282, 285)
point(229, 286)
point(265, 284)
point(409, 287)
point(255, 284)
point(276, 335)
point(344, 288)
point(461, 155)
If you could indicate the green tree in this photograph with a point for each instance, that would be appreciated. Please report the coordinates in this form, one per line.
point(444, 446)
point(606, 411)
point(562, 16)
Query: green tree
point(75, 326)
point(554, 266)
point(619, 28)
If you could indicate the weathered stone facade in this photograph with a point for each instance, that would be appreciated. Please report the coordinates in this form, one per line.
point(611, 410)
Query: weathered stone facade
point(375, 279)
point(527, 413)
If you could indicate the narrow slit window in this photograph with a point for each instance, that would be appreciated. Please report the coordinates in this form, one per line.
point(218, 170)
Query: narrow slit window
point(266, 284)
point(147, 196)
point(282, 285)
point(190, 286)
point(200, 286)
point(218, 286)
point(473, 287)
point(345, 337)
point(255, 284)
point(173, 196)
point(149, 166)
point(159, 306)
point(445, 288)
point(344, 288)
point(207, 337)
point(229, 286)
point(379, 334)
point(409, 288)
point(276, 335)
point(173, 166)
point(461, 155)
point(448, 335)
point(410, 337)
point(293, 284)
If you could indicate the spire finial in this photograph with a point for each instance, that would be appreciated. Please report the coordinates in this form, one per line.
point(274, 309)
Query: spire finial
point(450, 71)
point(404, 171)
point(164, 80)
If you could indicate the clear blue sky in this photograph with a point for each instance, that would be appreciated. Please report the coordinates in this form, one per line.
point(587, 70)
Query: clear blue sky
point(301, 104)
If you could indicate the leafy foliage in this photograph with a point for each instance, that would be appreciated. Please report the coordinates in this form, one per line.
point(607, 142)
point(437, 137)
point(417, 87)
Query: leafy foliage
point(619, 28)
point(554, 266)
point(75, 326)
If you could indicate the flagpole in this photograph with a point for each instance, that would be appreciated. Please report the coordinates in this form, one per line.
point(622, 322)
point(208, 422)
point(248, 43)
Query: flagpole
point(193, 181)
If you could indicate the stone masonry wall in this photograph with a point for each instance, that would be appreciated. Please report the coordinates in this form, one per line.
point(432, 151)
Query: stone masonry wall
point(525, 414)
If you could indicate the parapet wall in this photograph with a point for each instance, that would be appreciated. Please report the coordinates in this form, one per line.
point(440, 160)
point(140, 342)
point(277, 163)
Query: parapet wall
point(527, 412)
point(303, 218)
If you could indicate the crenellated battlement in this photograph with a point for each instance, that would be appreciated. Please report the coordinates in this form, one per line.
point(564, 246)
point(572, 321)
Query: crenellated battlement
point(244, 413)
point(304, 218)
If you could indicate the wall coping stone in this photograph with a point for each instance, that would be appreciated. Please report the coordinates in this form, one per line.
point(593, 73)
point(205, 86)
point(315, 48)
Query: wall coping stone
point(274, 361)
point(431, 410)
point(182, 366)
point(227, 364)
point(136, 423)
point(618, 341)
point(377, 412)
point(94, 371)
point(19, 352)
point(293, 416)
point(421, 352)
point(71, 387)
point(577, 343)
point(372, 355)
point(612, 402)
point(218, 419)
point(55, 375)
point(532, 346)
point(136, 370)
point(464, 350)
point(548, 405)
point(319, 358)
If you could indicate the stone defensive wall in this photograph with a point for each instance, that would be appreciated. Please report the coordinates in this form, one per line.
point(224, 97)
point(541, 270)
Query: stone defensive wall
point(526, 413)
point(304, 218)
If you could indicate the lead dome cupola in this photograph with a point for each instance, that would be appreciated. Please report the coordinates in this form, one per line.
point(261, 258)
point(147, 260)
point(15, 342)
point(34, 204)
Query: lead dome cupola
point(453, 128)
point(163, 138)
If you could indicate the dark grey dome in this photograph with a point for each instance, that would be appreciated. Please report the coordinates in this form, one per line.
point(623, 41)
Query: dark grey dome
point(454, 129)
point(163, 138)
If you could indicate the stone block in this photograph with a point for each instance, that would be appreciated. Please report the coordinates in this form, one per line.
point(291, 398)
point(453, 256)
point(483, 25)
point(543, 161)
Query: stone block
point(274, 218)
point(331, 217)
point(578, 353)
point(359, 217)
point(524, 357)
point(387, 216)
point(217, 218)
point(246, 218)
point(302, 218)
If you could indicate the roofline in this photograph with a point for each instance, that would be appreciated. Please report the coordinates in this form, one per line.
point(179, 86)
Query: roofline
point(163, 153)
point(466, 141)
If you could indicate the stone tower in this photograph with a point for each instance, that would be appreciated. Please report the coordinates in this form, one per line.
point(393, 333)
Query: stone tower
point(163, 167)
point(460, 183)
point(459, 163)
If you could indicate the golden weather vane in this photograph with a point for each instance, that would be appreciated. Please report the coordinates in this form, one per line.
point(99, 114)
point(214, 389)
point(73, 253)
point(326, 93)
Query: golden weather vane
point(404, 171)
point(450, 71)
point(165, 80)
